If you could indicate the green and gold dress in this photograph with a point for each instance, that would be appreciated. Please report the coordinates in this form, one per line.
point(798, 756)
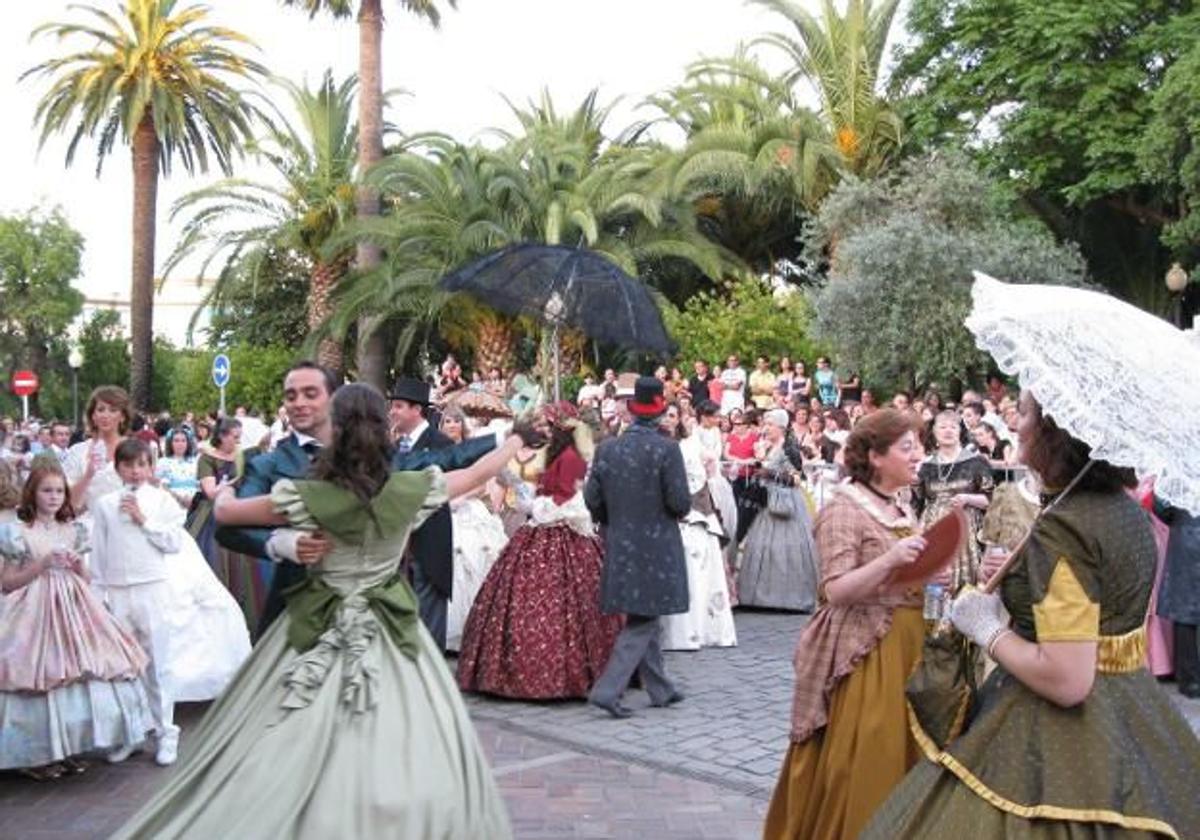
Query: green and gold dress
point(345, 722)
point(1124, 763)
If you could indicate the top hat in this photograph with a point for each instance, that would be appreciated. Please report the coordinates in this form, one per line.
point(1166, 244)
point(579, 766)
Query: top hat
point(410, 390)
point(647, 397)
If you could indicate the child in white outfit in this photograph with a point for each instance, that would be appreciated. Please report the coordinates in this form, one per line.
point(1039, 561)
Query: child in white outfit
point(135, 528)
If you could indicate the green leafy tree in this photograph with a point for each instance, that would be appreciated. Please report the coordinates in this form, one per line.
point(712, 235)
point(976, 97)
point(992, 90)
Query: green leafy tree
point(268, 309)
point(747, 318)
point(372, 352)
point(39, 260)
point(899, 290)
point(1056, 96)
point(161, 80)
point(250, 225)
point(256, 380)
point(105, 349)
point(1170, 153)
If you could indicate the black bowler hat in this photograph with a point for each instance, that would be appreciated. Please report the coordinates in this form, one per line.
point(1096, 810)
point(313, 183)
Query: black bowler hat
point(647, 397)
point(410, 390)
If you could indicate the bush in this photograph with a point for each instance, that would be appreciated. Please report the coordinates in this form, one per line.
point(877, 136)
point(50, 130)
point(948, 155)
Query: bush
point(256, 379)
point(743, 317)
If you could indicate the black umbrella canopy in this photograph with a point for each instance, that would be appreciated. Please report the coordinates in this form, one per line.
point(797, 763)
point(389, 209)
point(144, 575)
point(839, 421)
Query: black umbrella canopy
point(567, 287)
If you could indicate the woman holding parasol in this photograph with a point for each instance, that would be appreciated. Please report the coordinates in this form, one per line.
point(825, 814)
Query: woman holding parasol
point(1070, 736)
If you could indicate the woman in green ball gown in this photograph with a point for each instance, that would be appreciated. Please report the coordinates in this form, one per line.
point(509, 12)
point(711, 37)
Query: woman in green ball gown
point(1071, 736)
point(345, 722)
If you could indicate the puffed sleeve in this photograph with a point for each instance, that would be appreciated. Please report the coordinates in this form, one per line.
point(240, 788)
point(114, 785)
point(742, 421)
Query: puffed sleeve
point(12, 543)
point(1064, 584)
point(286, 499)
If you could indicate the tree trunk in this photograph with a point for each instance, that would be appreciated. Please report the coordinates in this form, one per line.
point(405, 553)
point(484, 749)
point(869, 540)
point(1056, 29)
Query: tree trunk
point(141, 291)
point(372, 352)
point(496, 345)
point(322, 279)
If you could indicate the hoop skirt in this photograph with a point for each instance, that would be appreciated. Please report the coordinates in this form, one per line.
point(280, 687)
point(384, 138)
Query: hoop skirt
point(70, 674)
point(708, 621)
point(536, 631)
point(208, 636)
point(1122, 763)
point(779, 559)
point(479, 538)
point(345, 722)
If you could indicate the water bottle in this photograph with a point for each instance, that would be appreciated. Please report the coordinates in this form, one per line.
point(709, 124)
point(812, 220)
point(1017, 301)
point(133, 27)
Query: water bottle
point(128, 492)
point(99, 455)
point(935, 605)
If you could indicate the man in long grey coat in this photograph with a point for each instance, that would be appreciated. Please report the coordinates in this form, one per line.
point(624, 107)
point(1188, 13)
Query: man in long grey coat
point(638, 491)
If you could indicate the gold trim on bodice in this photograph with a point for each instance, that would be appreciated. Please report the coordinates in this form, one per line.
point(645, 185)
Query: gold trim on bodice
point(1122, 654)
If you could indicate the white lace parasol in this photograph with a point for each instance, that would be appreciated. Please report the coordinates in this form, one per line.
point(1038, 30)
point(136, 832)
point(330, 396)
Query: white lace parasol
point(1118, 378)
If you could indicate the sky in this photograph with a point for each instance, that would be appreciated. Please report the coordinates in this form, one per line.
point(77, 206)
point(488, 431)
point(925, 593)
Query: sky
point(455, 77)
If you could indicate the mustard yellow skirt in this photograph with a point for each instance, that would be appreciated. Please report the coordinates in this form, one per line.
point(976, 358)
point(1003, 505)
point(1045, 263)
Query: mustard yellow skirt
point(831, 784)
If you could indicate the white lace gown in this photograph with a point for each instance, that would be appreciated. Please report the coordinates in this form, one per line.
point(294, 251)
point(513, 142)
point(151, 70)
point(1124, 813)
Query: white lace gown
point(709, 619)
point(208, 637)
point(479, 538)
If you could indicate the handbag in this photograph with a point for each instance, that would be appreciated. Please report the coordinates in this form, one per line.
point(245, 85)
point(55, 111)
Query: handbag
point(779, 501)
point(942, 689)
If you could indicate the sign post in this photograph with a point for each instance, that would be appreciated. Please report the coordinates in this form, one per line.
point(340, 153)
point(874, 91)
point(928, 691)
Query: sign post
point(25, 384)
point(220, 376)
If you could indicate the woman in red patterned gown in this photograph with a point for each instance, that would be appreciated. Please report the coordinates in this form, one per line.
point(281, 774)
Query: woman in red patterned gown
point(535, 631)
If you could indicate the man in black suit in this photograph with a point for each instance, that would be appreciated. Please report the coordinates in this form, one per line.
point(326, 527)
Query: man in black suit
point(307, 393)
point(431, 545)
point(637, 490)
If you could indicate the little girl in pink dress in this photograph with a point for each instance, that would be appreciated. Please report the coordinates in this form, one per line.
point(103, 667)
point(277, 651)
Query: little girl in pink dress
point(69, 673)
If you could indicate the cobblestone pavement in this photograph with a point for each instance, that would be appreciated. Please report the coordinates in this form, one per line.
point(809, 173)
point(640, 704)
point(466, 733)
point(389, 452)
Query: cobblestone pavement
point(731, 729)
point(702, 769)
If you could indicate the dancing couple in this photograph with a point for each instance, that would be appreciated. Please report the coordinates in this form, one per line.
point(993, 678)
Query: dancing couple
point(345, 721)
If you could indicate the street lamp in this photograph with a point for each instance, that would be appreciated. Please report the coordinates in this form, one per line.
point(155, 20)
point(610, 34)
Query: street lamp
point(75, 360)
point(1177, 280)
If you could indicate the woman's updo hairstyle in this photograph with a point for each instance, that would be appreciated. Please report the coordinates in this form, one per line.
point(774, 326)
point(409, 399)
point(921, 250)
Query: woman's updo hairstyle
point(359, 458)
point(876, 432)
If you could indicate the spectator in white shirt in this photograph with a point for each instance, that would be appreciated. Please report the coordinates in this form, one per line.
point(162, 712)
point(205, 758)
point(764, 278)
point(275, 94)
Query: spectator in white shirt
point(135, 528)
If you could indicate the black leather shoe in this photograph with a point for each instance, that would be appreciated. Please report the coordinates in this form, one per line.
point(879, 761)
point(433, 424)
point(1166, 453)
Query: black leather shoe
point(615, 709)
point(676, 697)
point(1190, 689)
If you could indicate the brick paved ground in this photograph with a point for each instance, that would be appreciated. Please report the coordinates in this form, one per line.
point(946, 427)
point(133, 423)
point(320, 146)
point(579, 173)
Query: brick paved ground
point(703, 769)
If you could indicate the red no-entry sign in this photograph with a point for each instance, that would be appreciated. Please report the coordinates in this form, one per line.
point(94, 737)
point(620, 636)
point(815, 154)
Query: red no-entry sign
point(24, 383)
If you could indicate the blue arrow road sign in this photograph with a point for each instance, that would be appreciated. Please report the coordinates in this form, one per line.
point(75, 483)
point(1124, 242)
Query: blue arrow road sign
point(220, 370)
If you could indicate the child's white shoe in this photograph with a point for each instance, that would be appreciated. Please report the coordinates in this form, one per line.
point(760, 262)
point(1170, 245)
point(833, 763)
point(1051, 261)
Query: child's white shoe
point(122, 753)
point(168, 749)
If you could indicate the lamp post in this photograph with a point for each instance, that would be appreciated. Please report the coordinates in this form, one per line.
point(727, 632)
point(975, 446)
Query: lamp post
point(75, 360)
point(1177, 280)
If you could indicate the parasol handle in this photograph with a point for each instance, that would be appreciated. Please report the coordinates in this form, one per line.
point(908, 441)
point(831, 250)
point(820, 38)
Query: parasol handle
point(994, 580)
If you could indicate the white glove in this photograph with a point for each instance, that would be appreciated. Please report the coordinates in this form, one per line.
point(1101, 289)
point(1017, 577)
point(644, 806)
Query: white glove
point(281, 545)
point(979, 617)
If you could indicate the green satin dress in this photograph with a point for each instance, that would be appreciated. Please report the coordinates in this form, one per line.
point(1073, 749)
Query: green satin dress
point(345, 722)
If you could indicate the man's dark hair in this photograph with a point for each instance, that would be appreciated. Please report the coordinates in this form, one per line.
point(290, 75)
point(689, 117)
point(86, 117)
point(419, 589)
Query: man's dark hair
point(331, 383)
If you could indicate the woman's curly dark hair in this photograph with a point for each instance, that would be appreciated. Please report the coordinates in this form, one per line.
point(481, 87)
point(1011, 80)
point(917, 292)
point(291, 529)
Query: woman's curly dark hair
point(1057, 457)
point(359, 458)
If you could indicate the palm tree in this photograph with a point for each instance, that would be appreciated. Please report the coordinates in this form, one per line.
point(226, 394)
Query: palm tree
point(555, 181)
point(372, 356)
point(160, 79)
point(753, 161)
point(840, 56)
point(296, 212)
